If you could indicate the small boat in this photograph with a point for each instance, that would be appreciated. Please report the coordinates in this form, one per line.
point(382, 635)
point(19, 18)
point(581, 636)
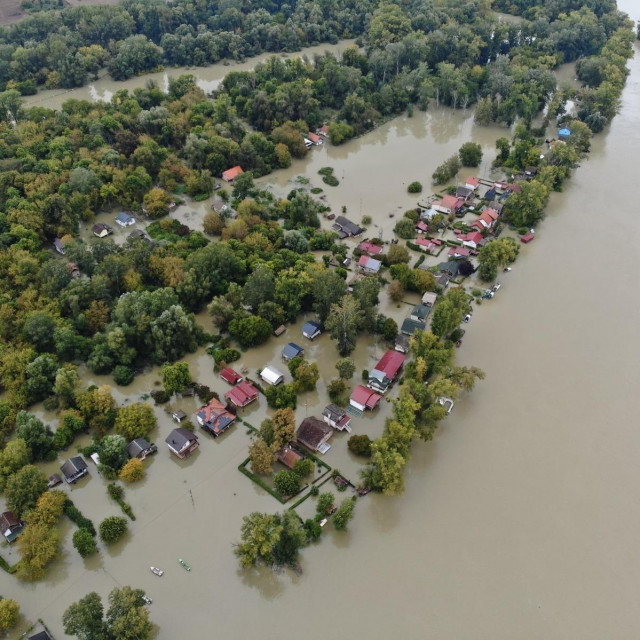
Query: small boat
point(147, 600)
point(157, 571)
point(184, 564)
point(496, 286)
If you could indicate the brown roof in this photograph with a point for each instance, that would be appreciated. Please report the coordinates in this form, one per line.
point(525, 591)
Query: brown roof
point(288, 456)
point(312, 431)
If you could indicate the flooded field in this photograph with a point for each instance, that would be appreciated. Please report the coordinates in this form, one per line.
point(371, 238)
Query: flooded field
point(520, 519)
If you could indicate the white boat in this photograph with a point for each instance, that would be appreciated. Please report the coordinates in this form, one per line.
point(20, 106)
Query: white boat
point(157, 571)
point(147, 600)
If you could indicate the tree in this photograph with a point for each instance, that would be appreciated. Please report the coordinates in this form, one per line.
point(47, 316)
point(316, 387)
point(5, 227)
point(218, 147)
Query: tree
point(136, 420)
point(346, 368)
point(388, 24)
point(48, 508)
point(40, 374)
point(113, 451)
point(84, 618)
point(327, 289)
point(10, 105)
point(360, 445)
point(176, 377)
point(127, 617)
point(260, 532)
point(84, 543)
point(396, 291)
point(112, 528)
point(415, 187)
point(292, 538)
point(306, 376)
point(13, 457)
point(260, 287)
point(156, 203)
point(526, 208)
point(325, 503)
point(287, 483)
point(447, 170)
point(213, 224)
point(282, 396)
point(303, 468)
point(262, 457)
point(284, 427)
point(23, 488)
point(38, 545)
point(38, 438)
point(38, 331)
point(344, 513)
point(66, 385)
point(250, 331)
point(133, 471)
point(397, 254)
point(470, 154)
point(496, 254)
point(503, 146)
point(9, 614)
point(344, 322)
point(405, 229)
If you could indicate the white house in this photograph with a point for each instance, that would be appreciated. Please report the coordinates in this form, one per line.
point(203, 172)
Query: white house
point(272, 376)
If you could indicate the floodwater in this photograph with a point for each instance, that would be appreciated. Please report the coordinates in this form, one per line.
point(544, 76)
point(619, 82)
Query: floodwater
point(208, 78)
point(519, 520)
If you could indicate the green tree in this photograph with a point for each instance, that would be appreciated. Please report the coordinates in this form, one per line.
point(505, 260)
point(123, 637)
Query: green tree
point(176, 377)
point(360, 445)
point(38, 545)
point(40, 374)
point(283, 427)
point(306, 376)
point(503, 146)
point(9, 614)
point(66, 385)
point(346, 368)
point(447, 170)
point(132, 471)
point(260, 532)
point(37, 436)
point(113, 451)
point(23, 488)
point(325, 503)
point(344, 513)
point(344, 322)
point(260, 287)
point(135, 420)
point(84, 618)
point(287, 483)
point(84, 543)
point(127, 617)
point(327, 289)
point(292, 538)
point(496, 254)
point(13, 457)
point(526, 208)
point(38, 330)
point(112, 528)
point(415, 187)
point(470, 154)
point(388, 24)
point(262, 457)
point(282, 396)
point(250, 331)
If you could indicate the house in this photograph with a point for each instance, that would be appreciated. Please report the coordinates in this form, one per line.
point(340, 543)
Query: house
point(58, 245)
point(314, 138)
point(231, 376)
point(313, 433)
point(451, 268)
point(280, 330)
point(443, 280)
point(464, 193)
point(243, 394)
point(288, 456)
point(291, 351)
point(73, 469)
point(420, 312)
point(429, 298)
point(101, 230)
point(125, 219)
point(231, 174)
point(459, 252)
point(54, 481)
point(10, 525)
point(369, 265)
point(486, 219)
point(386, 371)
point(427, 214)
point(447, 204)
point(473, 239)
point(530, 171)
point(137, 233)
point(491, 194)
point(409, 326)
point(370, 249)
point(41, 635)
point(311, 330)
point(527, 237)
point(422, 227)
point(307, 143)
point(336, 417)
point(179, 416)
point(214, 417)
point(346, 228)
point(323, 130)
point(430, 245)
point(496, 206)
point(472, 183)
point(271, 376)
point(182, 442)
point(403, 343)
point(363, 398)
point(141, 448)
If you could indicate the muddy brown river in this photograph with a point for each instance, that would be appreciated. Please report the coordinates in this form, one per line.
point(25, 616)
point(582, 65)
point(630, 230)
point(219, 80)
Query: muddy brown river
point(519, 520)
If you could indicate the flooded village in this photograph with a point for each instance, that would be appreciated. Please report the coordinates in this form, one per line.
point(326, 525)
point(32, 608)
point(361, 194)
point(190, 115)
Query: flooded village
point(517, 520)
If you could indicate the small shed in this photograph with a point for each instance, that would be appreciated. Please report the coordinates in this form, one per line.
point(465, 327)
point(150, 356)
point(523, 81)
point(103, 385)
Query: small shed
point(527, 237)
point(231, 174)
point(311, 330)
point(363, 398)
point(179, 416)
point(101, 230)
point(231, 376)
point(280, 330)
point(291, 351)
point(54, 481)
point(272, 376)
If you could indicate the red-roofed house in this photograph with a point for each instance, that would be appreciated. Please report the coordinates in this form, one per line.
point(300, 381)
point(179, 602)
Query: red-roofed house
point(429, 245)
point(486, 219)
point(230, 376)
point(214, 417)
point(448, 204)
point(369, 265)
point(472, 183)
point(422, 227)
point(323, 130)
point(370, 249)
point(527, 237)
point(242, 394)
point(363, 398)
point(316, 139)
point(459, 252)
point(386, 371)
point(471, 239)
point(231, 174)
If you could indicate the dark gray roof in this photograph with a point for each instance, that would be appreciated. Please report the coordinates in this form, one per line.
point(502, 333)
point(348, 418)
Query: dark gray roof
point(402, 341)
point(137, 446)
point(409, 326)
point(73, 466)
point(310, 328)
point(421, 310)
point(137, 233)
point(333, 412)
point(179, 437)
point(43, 635)
point(463, 192)
point(350, 228)
point(311, 431)
point(450, 267)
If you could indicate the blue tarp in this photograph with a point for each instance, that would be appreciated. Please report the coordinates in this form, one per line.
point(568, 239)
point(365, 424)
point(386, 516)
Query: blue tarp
point(565, 133)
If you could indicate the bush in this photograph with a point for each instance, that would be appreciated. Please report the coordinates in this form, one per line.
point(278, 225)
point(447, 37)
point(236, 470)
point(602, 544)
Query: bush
point(303, 468)
point(115, 491)
point(132, 471)
point(447, 170)
point(470, 154)
point(405, 229)
point(314, 490)
point(324, 504)
point(414, 187)
point(84, 543)
point(112, 529)
point(287, 483)
point(160, 396)
point(344, 513)
point(337, 391)
point(313, 529)
point(360, 445)
point(74, 514)
point(282, 396)
point(123, 375)
point(226, 355)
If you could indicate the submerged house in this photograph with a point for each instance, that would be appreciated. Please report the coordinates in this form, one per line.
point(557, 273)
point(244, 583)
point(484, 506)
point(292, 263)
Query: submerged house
point(101, 230)
point(485, 220)
point(58, 245)
point(346, 228)
point(429, 298)
point(288, 456)
point(271, 376)
point(369, 265)
point(214, 417)
point(311, 330)
point(10, 525)
point(409, 326)
point(472, 183)
point(402, 344)
point(363, 398)
point(420, 312)
point(230, 376)
point(370, 249)
point(242, 394)
point(182, 442)
point(231, 174)
point(386, 371)
point(125, 219)
point(451, 268)
point(73, 469)
point(141, 448)
point(336, 417)
point(291, 351)
point(314, 434)
point(430, 245)
point(447, 204)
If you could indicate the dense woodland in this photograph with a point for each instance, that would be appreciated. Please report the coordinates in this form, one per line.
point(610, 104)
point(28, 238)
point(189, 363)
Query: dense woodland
point(134, 305)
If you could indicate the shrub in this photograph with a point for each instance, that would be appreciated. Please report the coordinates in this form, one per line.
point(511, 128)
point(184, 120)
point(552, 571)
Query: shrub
point(123, 375)
point(115, 491)
point(447, 170)
point(282, 396)
point(360, 445)
point(226, 355)
point(366, 220)
point(324, 504)
point(9, 614)
point(405, 229)
point(132, 471)
point(337, 391)
point(314, 490)
point(470, 154)
point(112, 529)
point(313, 529)
point(287, 483)
point(414, 187)
point(74, 514)
point(304, 467)
point(84, 543)
point(160, 396)
point(344, 513)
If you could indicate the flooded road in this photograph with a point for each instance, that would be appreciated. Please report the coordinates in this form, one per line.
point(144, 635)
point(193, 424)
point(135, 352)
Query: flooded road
point(519, 520)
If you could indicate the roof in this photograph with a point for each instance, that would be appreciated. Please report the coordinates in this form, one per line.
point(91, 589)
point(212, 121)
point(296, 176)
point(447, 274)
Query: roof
point(490, 194)
point(310, 328)
point(215, 416)
point(421, 225)
point(313, 137)
point(448, 202)
point(333, 412)
point(365, 397)
point(324, 128)
point(472, 236)
point(370, 248)
point(564, 132)
point(351, 228)
point(371, 264)
point(137, 233)
point(242, 394)
point(390, 363)
point(42, 635)
point(123, 216)
point(463, 192)
point(232, 173)
point(8, 519)
point(73, 466)
point(443, 280)
point(100, 227)
point(291, 350)
point(271, 374)
point(179, 437)
point(288, 456)
point(451, 267)
point(409, 326)
point(429, 298)
point(280, 330)
point(421, 311)
point(472, 181)
point(312, 431)
point(403, 342)
point(527, 237)
point(459, 251)
point(58, 244)
point(230, 376)
point(179, 415)
point(428, 243)
point(137, 446)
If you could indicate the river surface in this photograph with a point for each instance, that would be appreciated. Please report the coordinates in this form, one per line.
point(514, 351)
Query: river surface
point(519, 520)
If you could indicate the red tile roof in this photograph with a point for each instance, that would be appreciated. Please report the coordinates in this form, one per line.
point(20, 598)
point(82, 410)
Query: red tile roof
point(473, 181)
point(230, 376)
point(390, 363)
point(313, 137)
point(450, 202)
point(215, 416)
point(232, 173)
point(472, 236)
point(365, 397)
point(459, 251)
point(527, 237)
point(422, 226)
point(370, 248)
point(243, 394)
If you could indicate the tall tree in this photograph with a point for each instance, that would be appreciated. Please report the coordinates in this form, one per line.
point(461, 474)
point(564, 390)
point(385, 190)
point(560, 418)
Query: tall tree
point(344, 322)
